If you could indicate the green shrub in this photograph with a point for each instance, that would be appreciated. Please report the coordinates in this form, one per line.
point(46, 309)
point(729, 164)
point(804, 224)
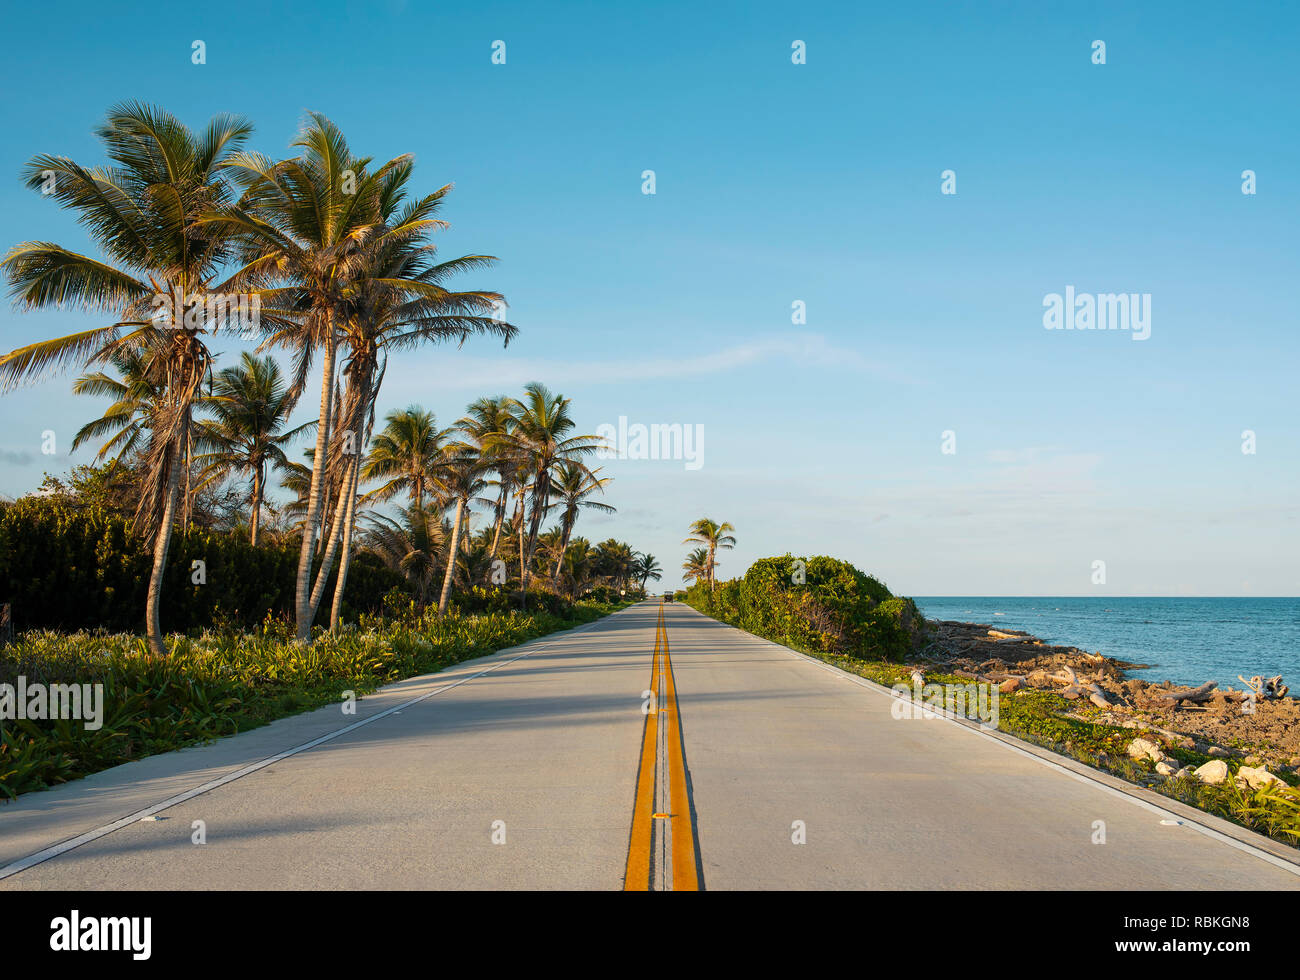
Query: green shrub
point(827, 606)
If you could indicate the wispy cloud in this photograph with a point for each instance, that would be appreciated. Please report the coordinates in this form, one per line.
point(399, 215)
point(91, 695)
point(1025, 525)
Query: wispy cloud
point(461, 371)
point(1027, 455)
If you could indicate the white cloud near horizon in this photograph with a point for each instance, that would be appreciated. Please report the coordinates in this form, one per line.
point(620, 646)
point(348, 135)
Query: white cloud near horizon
point(477, 372)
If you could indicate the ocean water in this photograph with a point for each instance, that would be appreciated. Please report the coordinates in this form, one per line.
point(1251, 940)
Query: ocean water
point(1187, 641)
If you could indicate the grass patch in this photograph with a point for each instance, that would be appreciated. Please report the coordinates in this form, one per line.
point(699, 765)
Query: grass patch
point(223, 682)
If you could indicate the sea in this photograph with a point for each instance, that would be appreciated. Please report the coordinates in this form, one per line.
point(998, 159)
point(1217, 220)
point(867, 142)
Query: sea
point(1185, 640)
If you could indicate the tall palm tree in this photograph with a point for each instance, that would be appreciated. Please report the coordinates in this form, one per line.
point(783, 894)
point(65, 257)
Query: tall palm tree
point(400, 302)
point(646, 567)
point(251, 404)
point(713, 536)
point(573, 485)
point(408, 454)
point(304, 225)
point(540, 442)
point(461, 479)
point(696, 566)
point(160, 265)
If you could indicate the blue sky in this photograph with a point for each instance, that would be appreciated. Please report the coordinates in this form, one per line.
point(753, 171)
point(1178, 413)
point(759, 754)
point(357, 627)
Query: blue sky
point(818, 182)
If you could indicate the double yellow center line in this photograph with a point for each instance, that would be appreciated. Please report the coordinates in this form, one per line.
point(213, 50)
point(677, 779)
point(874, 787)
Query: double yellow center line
point(662, 846)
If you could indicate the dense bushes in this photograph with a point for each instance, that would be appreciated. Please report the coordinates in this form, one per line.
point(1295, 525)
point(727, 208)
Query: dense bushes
point(501, 600)
point(67, 567)
point(827, 606)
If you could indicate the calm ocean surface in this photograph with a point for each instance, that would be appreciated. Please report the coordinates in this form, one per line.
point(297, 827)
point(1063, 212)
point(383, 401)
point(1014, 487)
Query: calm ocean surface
point(1189, 641)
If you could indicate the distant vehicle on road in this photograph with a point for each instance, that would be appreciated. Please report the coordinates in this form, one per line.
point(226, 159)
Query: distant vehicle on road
point(668, 596)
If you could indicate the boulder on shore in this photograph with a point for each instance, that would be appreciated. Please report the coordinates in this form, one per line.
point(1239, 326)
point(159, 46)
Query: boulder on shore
point(1213, 772)
point(1141, 748)
point(1256, 778)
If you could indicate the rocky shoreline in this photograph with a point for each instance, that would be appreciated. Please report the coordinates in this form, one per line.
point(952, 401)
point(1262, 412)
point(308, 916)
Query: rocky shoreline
point(1261, 729)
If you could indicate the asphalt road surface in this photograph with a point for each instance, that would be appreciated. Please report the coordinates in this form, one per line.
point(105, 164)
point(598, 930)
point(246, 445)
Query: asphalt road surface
point(653, 749)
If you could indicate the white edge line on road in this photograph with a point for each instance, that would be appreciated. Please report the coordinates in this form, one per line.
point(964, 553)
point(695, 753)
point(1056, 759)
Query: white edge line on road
point(22, 864)
point(952, 719)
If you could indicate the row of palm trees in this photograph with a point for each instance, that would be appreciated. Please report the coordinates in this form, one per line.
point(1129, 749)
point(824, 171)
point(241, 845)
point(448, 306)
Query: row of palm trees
point(701, 563)
point(440, 471)
point(331, 256)
point(506, 454)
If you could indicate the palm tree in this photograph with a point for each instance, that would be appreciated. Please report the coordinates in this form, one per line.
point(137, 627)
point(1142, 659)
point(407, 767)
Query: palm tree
point(409, 453)
point(159, 269)
point(461, 479)
point(646, 567)
point(356, 420)
point(696, 565)
point(488, 423)
point(304, 225)
point(409, 544)
point(713, 536)
point(576, 566)
point(129, 418)
point(296, 478)
point(252, 404)
point(475, 566)
point(400, 302)
point(574, 483)
point(540, 442)
point(614, 560)
point(548, 550)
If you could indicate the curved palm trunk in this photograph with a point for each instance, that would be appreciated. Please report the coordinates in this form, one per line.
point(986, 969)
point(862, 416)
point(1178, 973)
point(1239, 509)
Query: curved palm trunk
point(365, 394)
point(302, 593)
point(496, 537)
point(331, 482)
point(540, 492)
point(564, 546)
point(346, 560)
point(501, 516)
point(451, 558)
point(331, 549)
point(162, 541)
point(523, 565)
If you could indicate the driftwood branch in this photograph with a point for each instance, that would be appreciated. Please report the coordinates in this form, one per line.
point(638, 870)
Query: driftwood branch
point(1096, 695)
point(1196, 695)
point(1267, 689)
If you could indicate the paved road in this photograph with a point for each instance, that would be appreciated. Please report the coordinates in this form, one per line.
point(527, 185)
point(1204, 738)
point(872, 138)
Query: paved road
point(521, 770)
